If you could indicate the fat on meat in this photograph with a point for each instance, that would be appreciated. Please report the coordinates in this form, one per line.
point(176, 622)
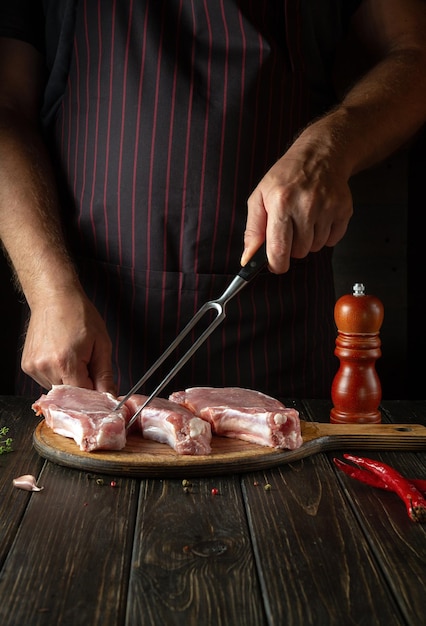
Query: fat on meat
point(85, 415)
point(167, 422)
point(244, 414)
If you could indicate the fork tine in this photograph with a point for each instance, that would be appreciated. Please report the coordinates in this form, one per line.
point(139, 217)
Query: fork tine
point(176, 342)
point(188, 354)
point(247, 273)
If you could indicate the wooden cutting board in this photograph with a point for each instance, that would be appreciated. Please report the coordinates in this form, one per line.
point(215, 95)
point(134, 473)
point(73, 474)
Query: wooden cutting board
point(144, 458)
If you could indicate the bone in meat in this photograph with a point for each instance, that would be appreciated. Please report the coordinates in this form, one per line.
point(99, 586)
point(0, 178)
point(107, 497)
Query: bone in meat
point(85, 415)
point(170, 423)
point(244, 414)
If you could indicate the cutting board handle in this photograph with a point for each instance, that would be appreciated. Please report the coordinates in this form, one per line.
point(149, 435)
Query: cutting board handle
point(366, 436)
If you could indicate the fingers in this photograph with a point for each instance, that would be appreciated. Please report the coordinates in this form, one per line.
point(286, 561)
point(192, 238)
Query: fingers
point(100, 368)
point(295, 220)
point(67, 343)
point(55, 368)
point(71, 370)
point(337, 232)
point(266, 220)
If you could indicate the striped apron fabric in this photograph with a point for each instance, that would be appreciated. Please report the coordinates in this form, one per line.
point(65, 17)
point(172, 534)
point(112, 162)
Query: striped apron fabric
point(173, 110)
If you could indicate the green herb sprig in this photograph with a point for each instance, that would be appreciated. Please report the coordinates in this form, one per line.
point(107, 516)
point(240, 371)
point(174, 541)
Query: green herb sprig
point(5, 442)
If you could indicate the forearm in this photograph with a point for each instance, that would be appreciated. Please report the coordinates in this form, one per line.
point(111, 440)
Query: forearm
point(29, 224)
point(381, 112)
point(304, 202)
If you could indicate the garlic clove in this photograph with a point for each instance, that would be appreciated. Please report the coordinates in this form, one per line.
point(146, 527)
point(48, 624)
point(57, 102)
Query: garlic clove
point(26, 482)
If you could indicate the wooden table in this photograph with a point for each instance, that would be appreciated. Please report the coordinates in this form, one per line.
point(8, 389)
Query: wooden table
point(317, 548)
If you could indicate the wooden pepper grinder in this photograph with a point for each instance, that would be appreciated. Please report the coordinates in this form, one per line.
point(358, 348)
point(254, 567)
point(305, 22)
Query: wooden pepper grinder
point(356, 390)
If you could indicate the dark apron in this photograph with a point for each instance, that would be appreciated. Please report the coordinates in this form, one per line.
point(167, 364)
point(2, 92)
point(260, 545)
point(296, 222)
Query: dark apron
point(172, 112)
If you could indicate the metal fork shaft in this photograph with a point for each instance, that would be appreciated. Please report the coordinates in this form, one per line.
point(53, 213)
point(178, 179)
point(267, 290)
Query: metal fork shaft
point(246, 274)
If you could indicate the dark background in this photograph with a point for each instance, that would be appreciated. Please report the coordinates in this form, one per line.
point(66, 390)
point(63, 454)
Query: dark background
point(384, 249)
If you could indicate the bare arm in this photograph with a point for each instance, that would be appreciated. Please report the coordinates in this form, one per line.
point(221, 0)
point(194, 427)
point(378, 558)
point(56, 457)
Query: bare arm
point(66, 340)
point(304, 203)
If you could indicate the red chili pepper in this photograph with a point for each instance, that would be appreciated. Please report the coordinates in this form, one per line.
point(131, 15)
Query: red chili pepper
point(374, 480)
point(386, 477)
point(362, 475)
point(419, 484)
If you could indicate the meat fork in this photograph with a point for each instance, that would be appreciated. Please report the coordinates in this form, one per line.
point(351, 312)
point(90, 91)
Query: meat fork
point(245, 275)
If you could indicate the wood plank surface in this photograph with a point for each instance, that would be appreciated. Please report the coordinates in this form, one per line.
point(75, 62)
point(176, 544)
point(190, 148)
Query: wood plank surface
point(398, 544)
point(317, 548)
point(313, 564)
point(193, 560)
point(71, 558)
point(15, 414)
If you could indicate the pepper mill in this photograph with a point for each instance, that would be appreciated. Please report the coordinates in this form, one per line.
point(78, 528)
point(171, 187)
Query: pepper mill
point(356, 390)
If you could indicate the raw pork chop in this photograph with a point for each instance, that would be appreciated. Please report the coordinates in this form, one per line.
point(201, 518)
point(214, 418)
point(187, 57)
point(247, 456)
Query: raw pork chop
point(244, 414)
point(168, 422)
point(85, 415)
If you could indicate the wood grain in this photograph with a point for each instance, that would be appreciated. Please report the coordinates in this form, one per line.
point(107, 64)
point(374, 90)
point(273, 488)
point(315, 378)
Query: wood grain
point(201, 572)
point(317, 548)
point(313, 567)
point(398, 543)
point(22, 460)
point(143, 458)
point(71, 563)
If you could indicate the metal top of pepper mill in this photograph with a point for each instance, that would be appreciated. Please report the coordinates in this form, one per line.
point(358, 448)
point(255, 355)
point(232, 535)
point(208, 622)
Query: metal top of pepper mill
point(358, 289)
